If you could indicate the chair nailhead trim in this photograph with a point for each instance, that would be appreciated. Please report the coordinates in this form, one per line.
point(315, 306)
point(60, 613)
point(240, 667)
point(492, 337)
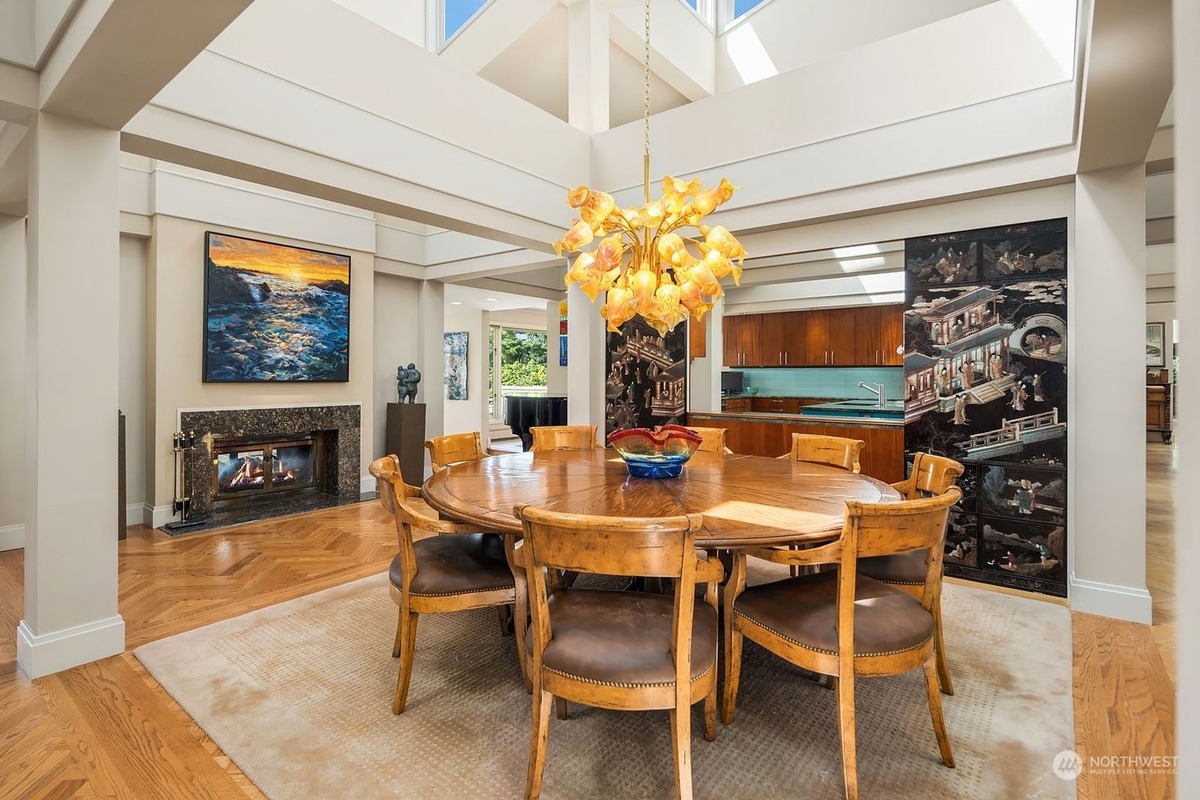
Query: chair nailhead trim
point(786, 638)
point(620, 685)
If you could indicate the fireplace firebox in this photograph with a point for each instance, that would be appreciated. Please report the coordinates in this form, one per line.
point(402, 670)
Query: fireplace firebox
point(250, 468)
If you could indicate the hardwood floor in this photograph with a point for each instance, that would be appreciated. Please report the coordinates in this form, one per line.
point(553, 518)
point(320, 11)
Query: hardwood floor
point(107, 730)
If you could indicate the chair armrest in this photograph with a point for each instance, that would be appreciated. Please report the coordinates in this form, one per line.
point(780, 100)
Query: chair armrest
point(828, 553)
point(709, 570)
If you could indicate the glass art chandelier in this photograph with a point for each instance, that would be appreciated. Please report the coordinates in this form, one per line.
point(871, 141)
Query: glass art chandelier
point(642, 259)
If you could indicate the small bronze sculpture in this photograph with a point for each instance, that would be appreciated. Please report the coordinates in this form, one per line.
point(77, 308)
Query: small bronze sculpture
point(407, 379)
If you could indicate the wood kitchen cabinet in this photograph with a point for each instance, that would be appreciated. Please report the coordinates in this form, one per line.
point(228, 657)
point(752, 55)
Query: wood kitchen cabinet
point(783, 337)
point(742, 346)
point(866, 336)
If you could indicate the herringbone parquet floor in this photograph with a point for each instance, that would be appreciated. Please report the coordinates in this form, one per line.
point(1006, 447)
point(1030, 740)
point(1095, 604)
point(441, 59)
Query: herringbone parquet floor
point(107, 730)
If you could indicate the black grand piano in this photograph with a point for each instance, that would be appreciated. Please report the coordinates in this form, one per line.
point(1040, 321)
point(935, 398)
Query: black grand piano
point(523, 413)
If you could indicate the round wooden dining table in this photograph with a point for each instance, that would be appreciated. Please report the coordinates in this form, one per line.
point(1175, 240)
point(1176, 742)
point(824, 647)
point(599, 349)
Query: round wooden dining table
point(745, 500)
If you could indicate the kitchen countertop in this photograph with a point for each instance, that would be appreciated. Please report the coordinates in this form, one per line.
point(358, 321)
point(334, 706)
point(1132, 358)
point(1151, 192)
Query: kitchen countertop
point(804, 419)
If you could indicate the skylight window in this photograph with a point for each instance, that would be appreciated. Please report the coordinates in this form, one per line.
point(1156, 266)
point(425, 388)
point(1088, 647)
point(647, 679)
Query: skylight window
point(456, 14)
point(741, 7)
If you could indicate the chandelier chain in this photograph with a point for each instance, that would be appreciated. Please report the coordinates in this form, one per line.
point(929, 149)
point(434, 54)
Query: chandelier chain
point(646, 109)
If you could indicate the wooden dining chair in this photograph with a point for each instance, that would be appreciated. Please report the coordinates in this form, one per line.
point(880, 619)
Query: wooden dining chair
point(931, 475)
point(381, 469)
point(836, 451)
point(843, 624)
point(452, 569)
point(563, 437)
point(454, 448)
point(713, 439)
point(620, 650)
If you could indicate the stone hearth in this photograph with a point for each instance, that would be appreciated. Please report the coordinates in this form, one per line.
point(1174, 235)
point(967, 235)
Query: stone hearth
point(337, 427)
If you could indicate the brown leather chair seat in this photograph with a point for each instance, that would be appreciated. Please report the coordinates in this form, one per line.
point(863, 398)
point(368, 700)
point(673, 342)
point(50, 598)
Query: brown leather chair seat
point(803, 610)
point(454, 563)
point(901, 568)
point(618, 637)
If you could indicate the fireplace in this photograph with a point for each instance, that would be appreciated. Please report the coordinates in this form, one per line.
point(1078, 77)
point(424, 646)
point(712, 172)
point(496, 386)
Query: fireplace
point(296, 456)
point(250, 468)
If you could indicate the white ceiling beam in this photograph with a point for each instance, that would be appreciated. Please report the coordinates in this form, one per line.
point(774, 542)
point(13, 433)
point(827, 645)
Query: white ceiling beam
point(685, 57)
point(18, 93)
point(515, 287)
point(115, 55)
point(1127, 81)
point(182, 139)
point(491, 265)
point(498, 27)
point(14, 171)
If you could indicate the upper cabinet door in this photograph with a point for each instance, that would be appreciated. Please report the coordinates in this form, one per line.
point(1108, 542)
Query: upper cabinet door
point(868, 342)
point(783, 339)
point(742, 346)
point(840, 323)
point(892, 334)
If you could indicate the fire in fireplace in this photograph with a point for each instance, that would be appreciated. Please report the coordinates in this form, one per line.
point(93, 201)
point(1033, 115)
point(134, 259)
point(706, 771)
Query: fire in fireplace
point(250, 469)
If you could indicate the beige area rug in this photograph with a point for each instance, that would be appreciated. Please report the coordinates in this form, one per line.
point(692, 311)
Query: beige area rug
point(299, 695)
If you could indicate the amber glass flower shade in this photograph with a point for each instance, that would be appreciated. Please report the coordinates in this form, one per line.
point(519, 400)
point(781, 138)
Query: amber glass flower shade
point(642, 260)
point(658, 453)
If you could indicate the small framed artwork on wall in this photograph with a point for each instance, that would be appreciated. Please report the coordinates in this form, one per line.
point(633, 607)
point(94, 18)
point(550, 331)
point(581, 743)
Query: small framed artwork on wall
point(455, 353)
point(1156, 346)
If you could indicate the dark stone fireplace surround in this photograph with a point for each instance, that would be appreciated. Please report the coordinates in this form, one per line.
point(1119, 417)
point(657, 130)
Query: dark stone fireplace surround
point(338, 427)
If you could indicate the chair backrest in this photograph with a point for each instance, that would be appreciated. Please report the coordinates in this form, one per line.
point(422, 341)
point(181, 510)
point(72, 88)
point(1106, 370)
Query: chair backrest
point(662, 547)
point(630, 546)
point(836, 451)
point(563, 437)
point(931, 475)
point(454, 448)
point(382, 469)
point(713, 439)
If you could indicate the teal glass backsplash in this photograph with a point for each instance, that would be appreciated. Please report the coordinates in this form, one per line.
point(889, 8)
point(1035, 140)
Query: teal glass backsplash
point(839, 382)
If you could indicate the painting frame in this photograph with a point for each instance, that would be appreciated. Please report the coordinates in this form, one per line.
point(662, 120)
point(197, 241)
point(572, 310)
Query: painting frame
point(273, 312)
point(455, 358)
point(1156, 345)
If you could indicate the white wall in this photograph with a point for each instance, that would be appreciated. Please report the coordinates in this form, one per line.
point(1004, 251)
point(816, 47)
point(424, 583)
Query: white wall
point(132, 385)
point(175, 347)
point(556, 375)
point(12, 389)
point(469, 414)
point(396, 322)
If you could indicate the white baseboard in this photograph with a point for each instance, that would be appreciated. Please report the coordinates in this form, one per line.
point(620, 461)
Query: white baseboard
point(1109, 600)
point(45, 654)
point(133, 514)
point(159, 515)
point(366, 486)
point(12, 537)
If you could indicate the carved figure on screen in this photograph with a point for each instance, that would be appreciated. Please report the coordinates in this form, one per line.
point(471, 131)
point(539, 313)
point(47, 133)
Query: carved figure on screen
point(960, 409)
point(966, 374)
point(407, 379)
point(996, 367)
point(1037, 388)
point(1019, 396)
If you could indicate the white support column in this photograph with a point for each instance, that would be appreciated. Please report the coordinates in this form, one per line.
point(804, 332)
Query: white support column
point(1187, 437)
point(586, 352)
point(431, 311)
point(1108, 365)
point(12, 364)
point(72, 373)
point(587, 65)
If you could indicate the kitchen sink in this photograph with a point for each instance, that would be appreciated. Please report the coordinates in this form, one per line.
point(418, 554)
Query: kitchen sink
point(867, 409)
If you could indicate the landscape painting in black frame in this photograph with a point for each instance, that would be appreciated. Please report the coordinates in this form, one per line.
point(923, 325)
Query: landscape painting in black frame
point(274, 313)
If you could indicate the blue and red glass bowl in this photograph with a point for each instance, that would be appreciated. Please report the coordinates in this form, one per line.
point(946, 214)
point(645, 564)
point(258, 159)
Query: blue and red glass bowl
point(658, 453)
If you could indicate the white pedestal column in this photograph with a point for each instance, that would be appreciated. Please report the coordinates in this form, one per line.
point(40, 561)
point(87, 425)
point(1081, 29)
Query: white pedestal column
point(586, 354)
point(72, 374)
point(1108, 368)
point(12, 365)
point(587, 66)
point(431, 310)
